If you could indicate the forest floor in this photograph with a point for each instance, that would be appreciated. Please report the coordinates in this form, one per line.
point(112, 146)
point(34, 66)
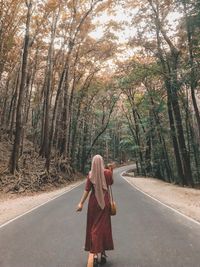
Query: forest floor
point(184, 199)
point(32, 175)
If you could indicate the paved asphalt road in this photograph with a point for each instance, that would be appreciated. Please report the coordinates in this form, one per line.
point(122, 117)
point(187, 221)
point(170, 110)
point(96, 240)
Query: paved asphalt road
point(146, 234)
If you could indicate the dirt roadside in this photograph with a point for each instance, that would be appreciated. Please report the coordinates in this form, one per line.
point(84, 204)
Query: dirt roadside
point(186, 200)
point(12, 205)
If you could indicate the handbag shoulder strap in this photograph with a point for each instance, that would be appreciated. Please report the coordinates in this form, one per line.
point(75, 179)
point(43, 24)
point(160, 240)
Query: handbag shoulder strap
point(110, 190)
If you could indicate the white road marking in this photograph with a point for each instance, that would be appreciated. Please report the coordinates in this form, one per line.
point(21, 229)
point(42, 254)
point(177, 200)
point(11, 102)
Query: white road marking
point(169, 207)
point(68, 190)
point(38, 206)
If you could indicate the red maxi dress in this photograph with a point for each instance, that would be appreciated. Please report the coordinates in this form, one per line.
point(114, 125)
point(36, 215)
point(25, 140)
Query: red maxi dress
point(99, 230)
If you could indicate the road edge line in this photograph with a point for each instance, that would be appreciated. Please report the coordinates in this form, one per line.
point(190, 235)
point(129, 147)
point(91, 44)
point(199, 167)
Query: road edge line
point(166, 205)
point(39, 205)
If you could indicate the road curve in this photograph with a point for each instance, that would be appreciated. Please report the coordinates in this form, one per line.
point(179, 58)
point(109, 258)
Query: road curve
point(146, 233)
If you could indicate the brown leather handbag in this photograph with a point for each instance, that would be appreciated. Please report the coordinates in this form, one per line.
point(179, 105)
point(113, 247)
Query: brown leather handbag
point(113, 207)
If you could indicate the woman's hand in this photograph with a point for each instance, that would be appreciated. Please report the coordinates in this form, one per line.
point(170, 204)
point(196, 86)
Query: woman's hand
point(110, 166)
point(84, 197)
point(79, 207)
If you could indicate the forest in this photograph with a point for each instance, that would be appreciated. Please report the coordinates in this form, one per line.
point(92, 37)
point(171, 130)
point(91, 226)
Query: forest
point(84, 77)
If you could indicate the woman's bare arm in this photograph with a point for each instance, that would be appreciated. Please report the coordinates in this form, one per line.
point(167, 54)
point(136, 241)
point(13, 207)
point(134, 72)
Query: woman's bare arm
point(83, 199)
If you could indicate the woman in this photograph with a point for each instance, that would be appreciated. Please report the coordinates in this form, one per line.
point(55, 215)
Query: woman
point(99, 231)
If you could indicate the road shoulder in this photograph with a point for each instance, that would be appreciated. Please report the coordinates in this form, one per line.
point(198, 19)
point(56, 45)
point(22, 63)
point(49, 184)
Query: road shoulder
point(12, 206)
point(185, 200)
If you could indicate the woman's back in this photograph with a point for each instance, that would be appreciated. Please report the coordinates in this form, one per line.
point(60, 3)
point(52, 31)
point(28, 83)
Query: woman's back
point(99, 229)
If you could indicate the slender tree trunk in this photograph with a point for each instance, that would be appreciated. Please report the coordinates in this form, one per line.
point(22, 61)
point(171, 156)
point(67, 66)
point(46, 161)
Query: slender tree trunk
point(32, 82)
point(25, 117)
point(13, 106)
point(181, 176)
point(84, 149)
point(137, 135)
point(162, 142)
point(181, 138)
point(63, 145)
point(193, 75)
point(13, 165)
point(48, 83)
point(73, 133)
point(4, 106)
point(196, 151)
point(53, 122)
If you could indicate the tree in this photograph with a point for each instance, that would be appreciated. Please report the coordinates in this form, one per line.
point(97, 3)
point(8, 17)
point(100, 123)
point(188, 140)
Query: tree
point(19, 114)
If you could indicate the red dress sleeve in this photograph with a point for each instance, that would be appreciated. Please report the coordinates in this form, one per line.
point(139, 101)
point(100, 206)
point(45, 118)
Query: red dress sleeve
point(88, 185)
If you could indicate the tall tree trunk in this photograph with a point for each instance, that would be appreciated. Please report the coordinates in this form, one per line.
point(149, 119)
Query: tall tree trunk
point(137, 134)
point(13, 106)
point(193, 75)
point(25, 117)
point(84, 149)
point(4, 104)
point(73, 128)
point(14, 160)
point(180, 136)
point(162, 142)
point(169, 67)
point(53, 122)
point(65, 113)
point(48, 82)
point(179, 166)
point(196, 151)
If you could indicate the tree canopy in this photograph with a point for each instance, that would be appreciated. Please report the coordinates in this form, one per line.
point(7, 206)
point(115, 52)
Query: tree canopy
point(81, 77)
